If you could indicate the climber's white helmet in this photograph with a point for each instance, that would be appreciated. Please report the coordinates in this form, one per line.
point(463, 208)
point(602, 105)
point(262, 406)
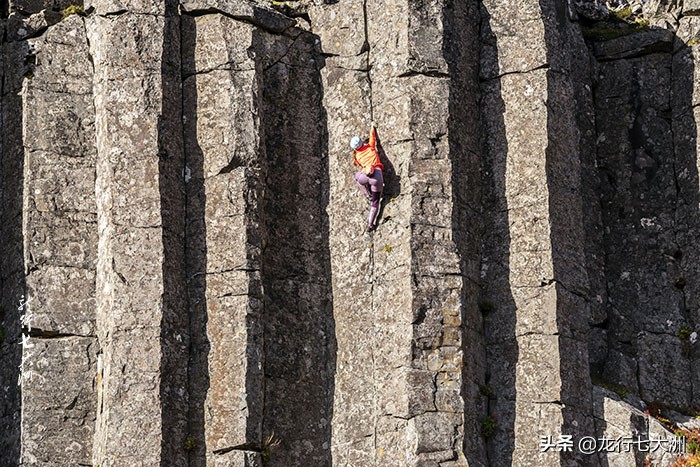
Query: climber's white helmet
point(355, 142)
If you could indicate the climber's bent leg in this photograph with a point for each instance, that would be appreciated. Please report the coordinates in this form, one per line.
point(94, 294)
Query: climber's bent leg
point(363, 181)
point(376, 180)
point(376, 196)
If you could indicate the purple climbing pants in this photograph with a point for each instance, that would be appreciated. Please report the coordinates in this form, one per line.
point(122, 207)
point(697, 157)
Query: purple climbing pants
point(374, 183)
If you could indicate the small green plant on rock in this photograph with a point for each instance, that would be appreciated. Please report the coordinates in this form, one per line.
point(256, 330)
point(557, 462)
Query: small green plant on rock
point(488, 426)
point(72, 10)
point(684, 333)
point(485, 389)
point(620, 23)
point(388, 248)
point(621, 391)
point(623, 14)
point(270, 443)
point(189, 444)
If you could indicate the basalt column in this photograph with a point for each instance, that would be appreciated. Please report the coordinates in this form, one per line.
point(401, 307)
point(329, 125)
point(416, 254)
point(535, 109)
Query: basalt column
point(142, 323)
point(685, 84)
point(399, 305)
point(424, 95)
point(642, 210)
point(260, 380)
point(533, 271)
point(224, 170)
point(299, 332)
point(346, 101)
point(60, 249)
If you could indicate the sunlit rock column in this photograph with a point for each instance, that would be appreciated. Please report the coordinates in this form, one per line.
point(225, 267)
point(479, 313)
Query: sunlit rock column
point(60, 246)
point(225, 169)
point(142, 322)
point(398, 394)
point(424, 98)
point(399, 411)
point(346, 100)
point(533, 273)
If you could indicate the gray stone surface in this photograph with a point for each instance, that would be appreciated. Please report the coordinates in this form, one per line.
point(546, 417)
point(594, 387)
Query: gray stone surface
point(685, 422)
point(691, 8)
point(684, 96)
point(243, 10)
point(663, 370)
point(617, 419)
point(60, 245)
point(506, 48)
point(591, 9)
point(346, 94)
point(58, 425)
point(634, 45)
point(187, 177)
point(688, 31)
point(645, 165)
point(239, 459)
point(142, 319)
point(261, 70)
point(340, 30)
point(299, 325)
point(12, 273)
point(21, 27)
point(533, 275)
point(60, 217)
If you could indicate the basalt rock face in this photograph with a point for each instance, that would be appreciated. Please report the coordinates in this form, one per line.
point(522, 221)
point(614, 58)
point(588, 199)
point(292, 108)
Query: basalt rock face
point(185, 276)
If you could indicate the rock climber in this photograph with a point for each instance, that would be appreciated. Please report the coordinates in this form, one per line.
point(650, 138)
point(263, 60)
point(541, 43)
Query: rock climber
point(370, 176)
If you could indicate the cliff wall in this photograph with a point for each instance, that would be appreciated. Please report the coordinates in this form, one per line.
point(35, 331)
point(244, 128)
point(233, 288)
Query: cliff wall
point(185, 277)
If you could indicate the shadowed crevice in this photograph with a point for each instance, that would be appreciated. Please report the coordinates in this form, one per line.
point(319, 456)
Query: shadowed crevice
point(174, 326)
point(461, 48)
point(566, 224)
point(196, 253)
point(497, 303)
point(12, 265)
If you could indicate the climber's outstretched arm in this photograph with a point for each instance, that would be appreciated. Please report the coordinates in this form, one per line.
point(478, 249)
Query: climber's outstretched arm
point(373, 136)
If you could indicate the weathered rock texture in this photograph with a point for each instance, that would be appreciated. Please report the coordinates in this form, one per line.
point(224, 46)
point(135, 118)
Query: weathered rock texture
point(142, 324)
point(60, 249)
point(184, 275)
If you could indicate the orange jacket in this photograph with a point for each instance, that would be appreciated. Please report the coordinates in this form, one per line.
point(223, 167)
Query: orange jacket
point(367, 157)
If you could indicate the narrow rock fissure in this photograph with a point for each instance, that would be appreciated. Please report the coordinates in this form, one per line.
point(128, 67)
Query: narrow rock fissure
point(243, 447)
point(49, 334)
point(427, 74)
point(544, 66)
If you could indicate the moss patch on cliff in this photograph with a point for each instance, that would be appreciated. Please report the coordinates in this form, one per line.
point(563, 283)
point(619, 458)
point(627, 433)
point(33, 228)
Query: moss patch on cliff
point(620, 23)
point(621, 391)
point(72, 10)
